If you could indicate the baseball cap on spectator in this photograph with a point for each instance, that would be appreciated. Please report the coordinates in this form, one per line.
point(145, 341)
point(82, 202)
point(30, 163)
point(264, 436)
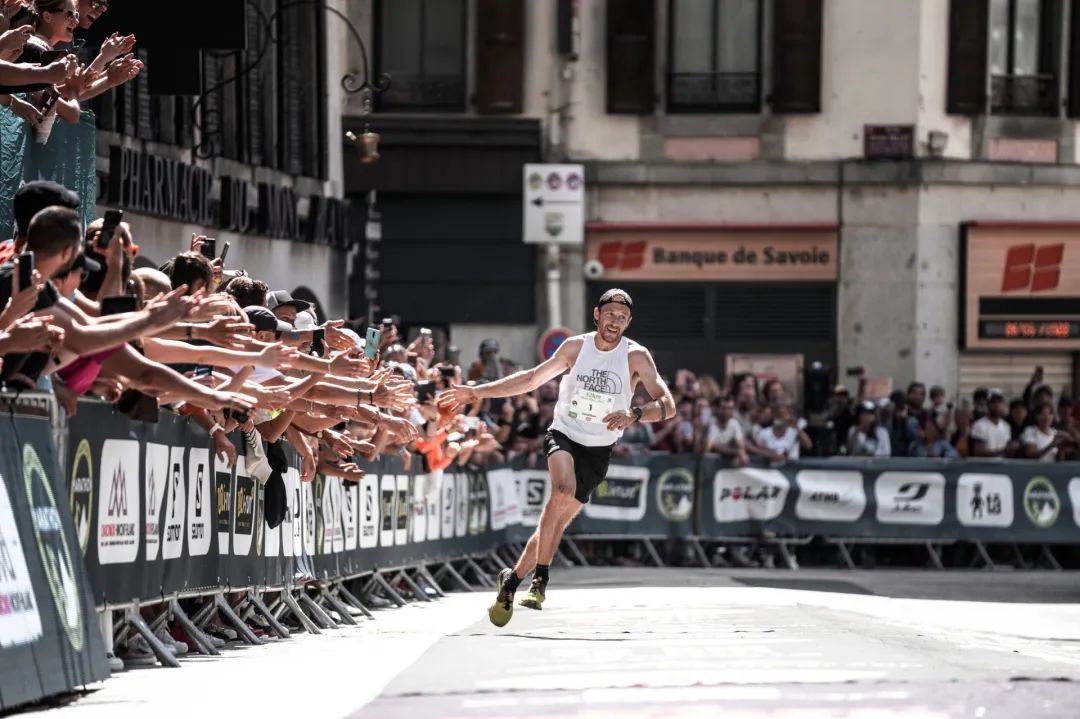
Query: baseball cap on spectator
point(867, 407)
point(284, 297)
point(263, 320)
point(840, 389)
point(305, 322)
point(994, 394)
point(354, 338)
point(489, 346)
point(33, 197)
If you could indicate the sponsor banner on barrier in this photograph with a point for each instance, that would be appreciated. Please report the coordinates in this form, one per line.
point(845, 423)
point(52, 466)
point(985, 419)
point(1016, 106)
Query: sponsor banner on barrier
point(1074, 499)
point(118, 505)
point(49, 637)
point(830, 496)
point(534, 487)
point(1042, 503)
point(622, 496)
point(984, 500)
point(20, 620)
point(747, 494)
point(910, 498)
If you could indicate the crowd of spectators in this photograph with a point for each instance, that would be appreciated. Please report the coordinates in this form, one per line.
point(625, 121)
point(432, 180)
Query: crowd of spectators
point(757, 422)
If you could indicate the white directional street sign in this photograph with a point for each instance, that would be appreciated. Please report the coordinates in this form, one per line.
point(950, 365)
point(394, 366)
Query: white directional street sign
point(554, 204)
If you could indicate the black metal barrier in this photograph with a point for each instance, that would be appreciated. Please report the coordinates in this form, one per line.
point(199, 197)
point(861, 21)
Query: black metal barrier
point(49, 637)
point(156, 517)
point(159, 515)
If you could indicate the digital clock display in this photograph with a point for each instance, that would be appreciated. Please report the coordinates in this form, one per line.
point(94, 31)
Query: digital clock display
point(1029, 329)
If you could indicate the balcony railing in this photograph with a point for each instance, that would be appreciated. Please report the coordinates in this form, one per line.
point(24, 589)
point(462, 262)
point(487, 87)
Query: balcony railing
point(424, 92)
point(714, 92)
point(1024, 95)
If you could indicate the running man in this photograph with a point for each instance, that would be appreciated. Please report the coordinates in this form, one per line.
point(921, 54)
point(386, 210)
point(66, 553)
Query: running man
point(602, 369)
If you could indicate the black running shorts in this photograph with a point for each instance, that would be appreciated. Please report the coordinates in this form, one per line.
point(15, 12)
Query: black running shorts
point(590, 463)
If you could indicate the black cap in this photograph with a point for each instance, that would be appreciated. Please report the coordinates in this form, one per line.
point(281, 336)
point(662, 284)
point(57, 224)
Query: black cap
point(615, 296)
point(33, 197)
point(282, 298)
point(85, 262)
point(264, 320)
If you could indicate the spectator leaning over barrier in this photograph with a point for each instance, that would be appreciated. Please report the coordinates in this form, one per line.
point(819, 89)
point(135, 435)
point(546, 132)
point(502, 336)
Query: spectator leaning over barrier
point(991, 436)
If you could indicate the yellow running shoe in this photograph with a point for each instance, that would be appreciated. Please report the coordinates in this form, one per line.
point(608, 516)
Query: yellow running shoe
point(535, 596)
point(503, 608)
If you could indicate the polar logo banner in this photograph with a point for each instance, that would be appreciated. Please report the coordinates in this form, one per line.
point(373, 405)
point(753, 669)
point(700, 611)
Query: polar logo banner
point(350, 499)
point(910, 498)
point(984, 500)
point(401, 530)
point(200, 502)
point(369, 511)
point(743, 495)
point(387, 510)
point(449, 504)
point(157, 475)
point(20, 622)
point(462, 495)
point(81, 493)
point(830, 496)
point(175, 506)
point(1074, 499)
point(622, 496)
point(535, 493)
point(118, 502)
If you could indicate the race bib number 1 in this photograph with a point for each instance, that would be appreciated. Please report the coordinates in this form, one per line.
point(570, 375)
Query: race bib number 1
point(591, 406)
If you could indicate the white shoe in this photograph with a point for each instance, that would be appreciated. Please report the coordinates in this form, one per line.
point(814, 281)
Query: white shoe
point(116, 664)
point(177, 647)
point(138, 653)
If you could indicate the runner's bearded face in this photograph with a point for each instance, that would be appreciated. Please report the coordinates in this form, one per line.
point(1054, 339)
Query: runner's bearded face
point(611, 321)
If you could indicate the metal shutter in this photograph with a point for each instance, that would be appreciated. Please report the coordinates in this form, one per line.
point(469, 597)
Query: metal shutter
point(1011, 372)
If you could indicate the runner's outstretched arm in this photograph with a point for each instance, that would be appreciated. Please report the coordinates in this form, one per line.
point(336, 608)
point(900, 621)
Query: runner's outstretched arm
point(519, 382)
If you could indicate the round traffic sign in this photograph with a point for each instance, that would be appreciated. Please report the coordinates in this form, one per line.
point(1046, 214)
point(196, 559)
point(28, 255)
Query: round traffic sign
point(551, 340)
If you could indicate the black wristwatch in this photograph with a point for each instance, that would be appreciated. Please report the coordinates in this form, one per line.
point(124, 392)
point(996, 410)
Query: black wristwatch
point(638, 411)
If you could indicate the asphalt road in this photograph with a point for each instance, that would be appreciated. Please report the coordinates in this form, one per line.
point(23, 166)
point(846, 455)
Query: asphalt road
point(629, 642)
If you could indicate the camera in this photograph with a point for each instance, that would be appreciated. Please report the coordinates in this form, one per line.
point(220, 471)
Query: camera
point(594, 269)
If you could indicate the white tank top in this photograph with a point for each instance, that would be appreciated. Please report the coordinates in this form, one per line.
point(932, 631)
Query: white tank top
point(597, 385)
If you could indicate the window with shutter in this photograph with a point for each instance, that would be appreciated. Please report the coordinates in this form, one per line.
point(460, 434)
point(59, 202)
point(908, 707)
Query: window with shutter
point(500, 56)
point(1024, 37)
point(968, 34)
point(714, 56)
point(421, 45)
point(796, 72)
point(1074, 61)
point(631, 41)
